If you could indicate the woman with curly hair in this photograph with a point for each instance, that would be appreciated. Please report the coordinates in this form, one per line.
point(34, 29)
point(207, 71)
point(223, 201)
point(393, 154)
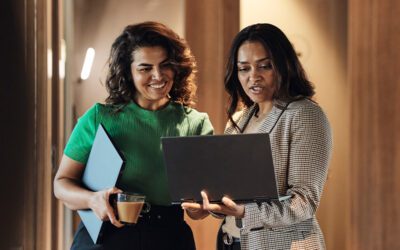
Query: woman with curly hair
point(151, 90)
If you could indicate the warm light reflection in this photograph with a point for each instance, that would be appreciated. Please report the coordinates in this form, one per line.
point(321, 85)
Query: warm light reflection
point(63, 57)
point(49, 63)
point(87, 65)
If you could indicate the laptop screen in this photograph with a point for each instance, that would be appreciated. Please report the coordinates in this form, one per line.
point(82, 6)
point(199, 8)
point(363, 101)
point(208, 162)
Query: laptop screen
point(238, 166)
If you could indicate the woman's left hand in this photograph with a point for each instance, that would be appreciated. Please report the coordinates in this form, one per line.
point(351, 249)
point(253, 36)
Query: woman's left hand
point(228, 206)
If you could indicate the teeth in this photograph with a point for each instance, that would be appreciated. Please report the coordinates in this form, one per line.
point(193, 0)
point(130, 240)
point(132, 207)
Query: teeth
point(157, 86)
point(256, 88)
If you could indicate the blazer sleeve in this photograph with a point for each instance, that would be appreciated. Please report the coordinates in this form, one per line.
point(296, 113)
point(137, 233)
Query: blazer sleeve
point(310, 146)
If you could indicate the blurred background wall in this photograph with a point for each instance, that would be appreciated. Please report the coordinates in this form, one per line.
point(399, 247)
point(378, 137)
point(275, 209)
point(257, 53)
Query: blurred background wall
point(349, 50)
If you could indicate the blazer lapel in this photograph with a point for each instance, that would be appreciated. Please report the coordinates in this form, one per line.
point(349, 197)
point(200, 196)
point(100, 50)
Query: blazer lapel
point(247, 113)
point(242, 120)
point(268, 123)
point(272, 118)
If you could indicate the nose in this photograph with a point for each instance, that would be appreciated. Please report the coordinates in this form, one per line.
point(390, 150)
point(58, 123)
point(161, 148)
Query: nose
point(254, 75)
point(156, 74)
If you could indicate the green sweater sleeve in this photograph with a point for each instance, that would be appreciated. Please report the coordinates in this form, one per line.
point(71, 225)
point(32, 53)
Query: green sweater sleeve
point(206, 127)
point(80, 143)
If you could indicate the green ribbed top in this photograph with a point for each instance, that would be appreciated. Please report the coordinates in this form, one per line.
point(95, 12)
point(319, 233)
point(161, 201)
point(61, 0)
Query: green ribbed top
point(136, 133)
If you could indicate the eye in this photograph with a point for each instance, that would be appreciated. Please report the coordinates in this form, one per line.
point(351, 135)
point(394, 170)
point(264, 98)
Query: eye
point(166, 65)
point(266, 66)
point(145, 69)
point(243, 69)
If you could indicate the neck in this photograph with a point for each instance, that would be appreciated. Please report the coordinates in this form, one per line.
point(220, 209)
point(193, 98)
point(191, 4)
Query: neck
point(264, 107)
point(151, 105)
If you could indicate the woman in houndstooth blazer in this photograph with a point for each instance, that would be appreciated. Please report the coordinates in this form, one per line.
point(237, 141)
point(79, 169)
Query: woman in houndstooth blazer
point(265, 77)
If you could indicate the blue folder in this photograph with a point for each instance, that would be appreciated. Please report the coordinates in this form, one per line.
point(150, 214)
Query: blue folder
point(104, 166)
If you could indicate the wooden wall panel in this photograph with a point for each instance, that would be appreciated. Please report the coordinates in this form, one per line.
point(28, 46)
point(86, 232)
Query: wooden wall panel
point(16, 136)
point(210, 28)
point(374, 60)
point(26, 130)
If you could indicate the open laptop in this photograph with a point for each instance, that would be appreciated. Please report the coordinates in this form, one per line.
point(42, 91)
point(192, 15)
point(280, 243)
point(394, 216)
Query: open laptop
point(238, 166)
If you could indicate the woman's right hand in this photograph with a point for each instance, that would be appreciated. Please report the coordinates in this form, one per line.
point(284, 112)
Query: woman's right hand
point(100, 205)
point(68, 188)
point(194, 210)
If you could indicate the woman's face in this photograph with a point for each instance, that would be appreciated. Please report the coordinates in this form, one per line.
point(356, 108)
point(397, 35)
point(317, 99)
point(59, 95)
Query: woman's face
point(255, 72)
point(152, 76)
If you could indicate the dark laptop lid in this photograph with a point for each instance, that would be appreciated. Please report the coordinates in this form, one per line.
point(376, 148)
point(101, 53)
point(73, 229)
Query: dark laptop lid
point(102, 171)
point(239, 166)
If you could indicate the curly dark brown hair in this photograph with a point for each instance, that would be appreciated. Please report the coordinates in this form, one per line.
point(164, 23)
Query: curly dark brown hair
point(119, 82)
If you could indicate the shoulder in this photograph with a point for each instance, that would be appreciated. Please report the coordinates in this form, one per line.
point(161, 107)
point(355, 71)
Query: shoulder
point(308, 114)
point(90, 113)
point(100, 112)
point(103, 110)
point(190, 113)
point(95, 109)
point(199, 121)
point(305, 108)
point(108, 108)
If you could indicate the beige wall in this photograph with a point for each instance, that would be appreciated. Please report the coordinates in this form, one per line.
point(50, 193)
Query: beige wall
point(318, 30)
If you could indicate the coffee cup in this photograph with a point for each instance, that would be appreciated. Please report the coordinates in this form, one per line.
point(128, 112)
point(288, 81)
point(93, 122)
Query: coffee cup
point(129, 207)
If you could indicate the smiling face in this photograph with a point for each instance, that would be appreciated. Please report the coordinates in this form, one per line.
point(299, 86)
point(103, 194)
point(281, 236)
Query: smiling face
point(256, 73)
point(152, 76)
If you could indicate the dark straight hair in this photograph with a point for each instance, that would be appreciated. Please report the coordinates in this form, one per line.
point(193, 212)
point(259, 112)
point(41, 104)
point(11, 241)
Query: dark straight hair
point(291, 80)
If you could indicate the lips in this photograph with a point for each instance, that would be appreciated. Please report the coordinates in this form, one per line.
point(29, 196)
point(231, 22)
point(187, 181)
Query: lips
point(256, 89)
point(159, 85)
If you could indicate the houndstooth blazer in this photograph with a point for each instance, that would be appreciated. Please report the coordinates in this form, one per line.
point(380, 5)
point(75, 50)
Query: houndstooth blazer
point(301, 147)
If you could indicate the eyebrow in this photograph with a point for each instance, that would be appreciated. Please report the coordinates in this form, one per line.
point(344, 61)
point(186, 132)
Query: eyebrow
point(259, 60)
point(151, 65)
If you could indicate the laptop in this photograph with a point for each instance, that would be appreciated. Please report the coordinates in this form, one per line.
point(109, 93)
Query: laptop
point(238, 166)
point(102, 171)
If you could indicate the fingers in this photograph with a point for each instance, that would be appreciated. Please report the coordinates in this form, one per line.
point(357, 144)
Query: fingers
point(110, 209)
point(229, 203)
point(233, 208)
point(103, 209)
point(206, 202)
point(114, 190)
point(228, 207)
point(194, 210)
point(191, 206)
point(210, 206)
point(113, 219)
